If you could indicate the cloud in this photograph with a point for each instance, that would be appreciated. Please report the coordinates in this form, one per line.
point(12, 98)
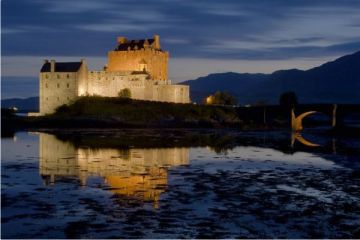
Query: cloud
point(113, 27)
point(31, 65)
point(11, 31)
point(176, 41)
point(75, 7)
point(223, 30)
point(280, 52)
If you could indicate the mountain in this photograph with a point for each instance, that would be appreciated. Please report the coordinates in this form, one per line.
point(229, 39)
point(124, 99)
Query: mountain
point(333, 82)
point(22, 104)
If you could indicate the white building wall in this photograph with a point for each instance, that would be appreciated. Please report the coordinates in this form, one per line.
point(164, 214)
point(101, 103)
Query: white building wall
point(56, 89)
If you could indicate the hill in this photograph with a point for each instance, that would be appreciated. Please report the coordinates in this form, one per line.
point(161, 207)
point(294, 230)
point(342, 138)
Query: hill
point(22, 104)
point(114, 111)
point(337, 81)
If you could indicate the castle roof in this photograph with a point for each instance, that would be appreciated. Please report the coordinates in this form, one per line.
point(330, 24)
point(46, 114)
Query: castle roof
point(134, 44)
point(62, 67)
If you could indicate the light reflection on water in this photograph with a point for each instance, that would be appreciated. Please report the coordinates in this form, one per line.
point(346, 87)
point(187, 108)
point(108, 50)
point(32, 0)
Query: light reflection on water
point(60, 188)
point(130, 172)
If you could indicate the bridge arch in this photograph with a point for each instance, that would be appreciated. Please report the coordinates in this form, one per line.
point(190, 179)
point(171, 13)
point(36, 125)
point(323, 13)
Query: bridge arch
point(295, 136)
point(296, 122)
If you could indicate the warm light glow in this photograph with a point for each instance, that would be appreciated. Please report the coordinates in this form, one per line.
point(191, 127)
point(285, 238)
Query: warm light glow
point(210, 99)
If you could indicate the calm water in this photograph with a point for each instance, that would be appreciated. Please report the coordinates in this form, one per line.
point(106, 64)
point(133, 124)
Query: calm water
point(133, 184)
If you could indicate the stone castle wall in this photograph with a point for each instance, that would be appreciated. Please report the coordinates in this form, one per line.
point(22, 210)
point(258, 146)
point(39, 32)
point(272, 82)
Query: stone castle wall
point(109, 84)
point(83, 79)
point(156, 62)
point(57, 89)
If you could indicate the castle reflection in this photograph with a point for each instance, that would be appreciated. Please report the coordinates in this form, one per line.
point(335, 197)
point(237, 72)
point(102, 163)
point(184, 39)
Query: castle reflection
point(139, 173)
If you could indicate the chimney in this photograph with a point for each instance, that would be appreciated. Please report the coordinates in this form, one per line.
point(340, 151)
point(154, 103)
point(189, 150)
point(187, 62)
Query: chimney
point(156, 42)
point(121, 40)
point(46, 61)
point(52, 66)
point(146, 43)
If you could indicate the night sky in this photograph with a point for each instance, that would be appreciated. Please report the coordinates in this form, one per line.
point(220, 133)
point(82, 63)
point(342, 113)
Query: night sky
point(202, 36)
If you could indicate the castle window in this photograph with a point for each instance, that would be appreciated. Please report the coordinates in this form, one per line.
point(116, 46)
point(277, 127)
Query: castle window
point(67, 98)
point(58, 85)
point(46, 76)
point(47, 98)
point(58, 98)
point(46, 85)
point(58, 76)
point(67, 76)
point(68, 85)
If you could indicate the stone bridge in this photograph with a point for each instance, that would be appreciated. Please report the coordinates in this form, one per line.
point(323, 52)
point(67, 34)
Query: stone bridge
point(276, 115)
point(334, 111)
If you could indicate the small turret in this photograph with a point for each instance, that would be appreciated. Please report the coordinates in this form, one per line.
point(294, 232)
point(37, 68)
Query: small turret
point(121, 40)
point(146, 43)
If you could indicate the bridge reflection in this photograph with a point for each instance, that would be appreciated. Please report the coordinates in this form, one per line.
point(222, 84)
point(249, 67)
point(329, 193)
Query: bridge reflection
point(298, 137)
point(139, 173)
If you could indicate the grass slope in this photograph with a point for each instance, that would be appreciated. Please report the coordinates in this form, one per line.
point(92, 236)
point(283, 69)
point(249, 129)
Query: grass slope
point(147, 113)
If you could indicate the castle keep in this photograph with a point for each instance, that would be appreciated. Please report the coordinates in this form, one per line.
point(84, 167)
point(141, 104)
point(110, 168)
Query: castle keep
point(138, 65)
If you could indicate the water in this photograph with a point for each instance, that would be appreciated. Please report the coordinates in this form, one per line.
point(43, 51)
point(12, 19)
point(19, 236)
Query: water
point(179, 184)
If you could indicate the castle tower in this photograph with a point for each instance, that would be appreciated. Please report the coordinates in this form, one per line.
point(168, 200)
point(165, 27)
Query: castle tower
point(60, 83)
point(135, 55)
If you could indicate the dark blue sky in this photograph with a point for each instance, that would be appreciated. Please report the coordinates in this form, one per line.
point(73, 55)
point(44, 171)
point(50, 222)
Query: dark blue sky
point(202, 36)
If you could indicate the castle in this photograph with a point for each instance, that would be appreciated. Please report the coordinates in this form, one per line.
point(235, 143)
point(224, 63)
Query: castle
point(140, 66)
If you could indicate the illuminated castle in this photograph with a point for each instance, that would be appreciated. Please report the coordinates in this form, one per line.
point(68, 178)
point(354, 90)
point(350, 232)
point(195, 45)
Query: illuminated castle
point(140, 66)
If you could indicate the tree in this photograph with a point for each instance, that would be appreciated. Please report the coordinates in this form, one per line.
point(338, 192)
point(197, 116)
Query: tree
point(288, 99)
point(221, 98)
point(125, 93)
